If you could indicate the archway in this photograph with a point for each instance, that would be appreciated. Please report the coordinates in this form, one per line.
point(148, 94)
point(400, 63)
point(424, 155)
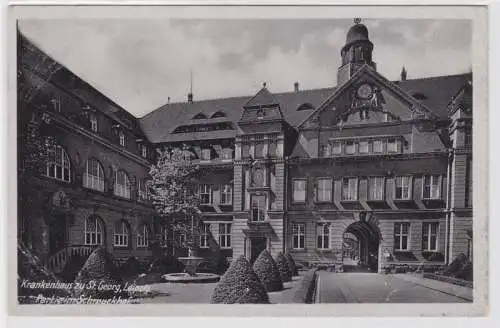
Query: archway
point(360, 245)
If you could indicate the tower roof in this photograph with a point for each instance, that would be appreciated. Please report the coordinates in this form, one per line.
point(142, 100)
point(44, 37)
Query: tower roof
point(358, 32)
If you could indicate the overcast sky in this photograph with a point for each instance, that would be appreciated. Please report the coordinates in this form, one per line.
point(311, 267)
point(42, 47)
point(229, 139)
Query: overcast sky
point(140, 63)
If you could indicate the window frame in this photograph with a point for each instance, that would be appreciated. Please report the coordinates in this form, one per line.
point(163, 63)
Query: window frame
point(294, 190)
point(383, 185)
point(356, 193)
point(227, 196)
point(97, 233)
point(122, 190)
point(121, 138)
point(142, 238)
point(298, 235)
point(209, 193)
point(90, 180)
point(123, 235)
point(144, 151)
point(367, 146)
point(336, 148)
point(395, 143)
point(349, 143)
point(225, 234)
point(376, 141)
point(399, 232)
point(427, 234)
point(329, 182)
point(325, 238)
point(94, 124)
point(205, 235)
point(410, 184)
point(440, 182)
point(261, 211)
point(52, 165)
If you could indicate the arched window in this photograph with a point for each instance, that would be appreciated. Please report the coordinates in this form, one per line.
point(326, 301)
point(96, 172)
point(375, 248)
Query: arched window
point(143, 236)
point(121, 233)
point(142, 189)
point(218, 114)
point(122, 184)
point(94, 175)
point(199, 116)
point(58, 165)
point(94, 231)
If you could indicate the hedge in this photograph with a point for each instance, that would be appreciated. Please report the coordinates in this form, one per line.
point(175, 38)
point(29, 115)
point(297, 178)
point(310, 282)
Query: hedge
point(291, 264)
point(282, 263)
point(267, 271)
point(239, 284)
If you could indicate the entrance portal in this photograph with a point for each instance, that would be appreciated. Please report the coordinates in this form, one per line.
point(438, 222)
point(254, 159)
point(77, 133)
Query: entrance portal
point(360, 247)
point(257, 246)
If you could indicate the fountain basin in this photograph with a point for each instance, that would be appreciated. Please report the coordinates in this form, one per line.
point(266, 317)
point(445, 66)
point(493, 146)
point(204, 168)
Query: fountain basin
point(185, 277)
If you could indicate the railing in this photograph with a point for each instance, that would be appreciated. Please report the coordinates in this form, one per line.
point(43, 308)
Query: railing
point(58, 261)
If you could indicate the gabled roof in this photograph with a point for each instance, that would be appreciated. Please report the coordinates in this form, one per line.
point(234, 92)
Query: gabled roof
point(262, 98)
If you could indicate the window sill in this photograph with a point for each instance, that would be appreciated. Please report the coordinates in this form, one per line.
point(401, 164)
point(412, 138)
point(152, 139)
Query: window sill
point(226, 248)
point(325, 250)
point(142, 247)
point(320, 202)
point(298, 250)
point(298, 202)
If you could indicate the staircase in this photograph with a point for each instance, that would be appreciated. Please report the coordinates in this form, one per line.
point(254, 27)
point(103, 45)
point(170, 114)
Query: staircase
point(58, 261)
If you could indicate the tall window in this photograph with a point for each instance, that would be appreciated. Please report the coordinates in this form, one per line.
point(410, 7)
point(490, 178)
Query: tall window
point(205, 235)
point(144, 151)
point(206, 154)
point(58, 165)
point(225, 235)
point(323, 236)
point(142, 190)
point(337, 148)
point(143, 236)
point(93, 231)
point(164, 236)
point(376, 188)
point(122, 184)
point(121, 137)
point(350, 147)
point(226, 194)
point(392, 145)
point(299, 190)
point(205, 194)
point(258, 207)
point(298, 235)
point(94, 175)
point(432, 187)
point(227, 153)
point(403, 188)
point(93, 123)
point(363, 147)
point(429, 236)
point(349, 188)
point(401, 236)
point(121, 234)
point(56, 103)
point(378, 146)
point(324, 190)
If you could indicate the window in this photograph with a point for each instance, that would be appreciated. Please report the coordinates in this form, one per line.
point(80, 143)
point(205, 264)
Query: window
point(258, 208)
point(387, 117)
point(298, 235)
point(122, 184)
point(376, 188)
point(245, 151)
point(227, 153)
point(403, 188)
point(121, 136)
point(121, 234)
point(163, 236)
point(324, 190)
point(363, 147)
point(401, 236)
point(429, 236)
point(58, 165)
point(468, 138)
point(432, 187)
point(56, 104)
point(337, 148)
point(349, 188)
point(226, 195)
point(205, 194)
point(144, 151)
point(93, 231)
point(181, 238)
point(206, 154)
point(299, 190)
point(94, 175)
point(205, 235)
point(225, 235)
point(143, 236)
point(350, 147)
point(377, 146)
point(142, 190)
point(323, 236)
point(392, 145)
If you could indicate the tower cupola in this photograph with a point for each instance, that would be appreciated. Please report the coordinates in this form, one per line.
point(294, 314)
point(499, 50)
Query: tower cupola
point(356, 52)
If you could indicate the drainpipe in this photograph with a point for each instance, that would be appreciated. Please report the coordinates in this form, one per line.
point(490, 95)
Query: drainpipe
point(448, 205)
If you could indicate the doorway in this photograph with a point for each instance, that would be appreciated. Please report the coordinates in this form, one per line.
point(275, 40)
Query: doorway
point(360, 247)
point(57, 233)
point(257, 245)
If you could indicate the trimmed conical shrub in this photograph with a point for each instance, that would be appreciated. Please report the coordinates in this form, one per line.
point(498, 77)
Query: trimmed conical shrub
point(281, 262)
point(291, 264)
point(98, 278)
point(240, 284)
point(267, 271)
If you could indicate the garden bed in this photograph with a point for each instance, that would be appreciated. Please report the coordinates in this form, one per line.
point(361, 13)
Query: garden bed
point(448, 279)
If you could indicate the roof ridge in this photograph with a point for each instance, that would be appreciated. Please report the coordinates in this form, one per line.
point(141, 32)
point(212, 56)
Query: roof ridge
point(432, 77)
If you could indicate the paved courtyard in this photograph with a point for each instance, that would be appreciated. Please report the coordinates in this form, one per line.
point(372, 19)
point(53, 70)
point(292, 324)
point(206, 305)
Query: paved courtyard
point(376, 288)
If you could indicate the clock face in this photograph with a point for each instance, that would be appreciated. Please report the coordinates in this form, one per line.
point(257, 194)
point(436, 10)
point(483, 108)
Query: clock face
point(364, 91)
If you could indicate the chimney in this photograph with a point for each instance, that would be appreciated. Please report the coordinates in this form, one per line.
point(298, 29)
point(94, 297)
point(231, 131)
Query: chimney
point(296, 86)
point(403, 74)
point(190, 97)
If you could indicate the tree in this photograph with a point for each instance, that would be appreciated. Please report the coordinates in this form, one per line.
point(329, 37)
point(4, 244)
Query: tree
point(267, 271)
point(173, 192)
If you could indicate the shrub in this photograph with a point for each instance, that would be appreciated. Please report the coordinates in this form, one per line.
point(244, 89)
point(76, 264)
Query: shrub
point(455, 265)
point(281, 262)
point(166, 264)
point(99, 277)
point(291, 264)
point(240, 284)
point(465, 272)
point(267, 271)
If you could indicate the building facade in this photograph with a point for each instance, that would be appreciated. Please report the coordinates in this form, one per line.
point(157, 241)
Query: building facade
point(373, 171)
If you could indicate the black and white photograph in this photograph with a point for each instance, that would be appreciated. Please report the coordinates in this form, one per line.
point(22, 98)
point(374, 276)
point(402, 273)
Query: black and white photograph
point(246, 159)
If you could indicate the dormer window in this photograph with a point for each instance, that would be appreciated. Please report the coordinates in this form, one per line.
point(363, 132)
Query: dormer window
point(260, 113)
point(56, 104)
point(93, 123)
point(144, 151)
point(121, 137)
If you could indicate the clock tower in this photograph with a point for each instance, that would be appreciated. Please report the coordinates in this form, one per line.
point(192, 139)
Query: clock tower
point(356, 52)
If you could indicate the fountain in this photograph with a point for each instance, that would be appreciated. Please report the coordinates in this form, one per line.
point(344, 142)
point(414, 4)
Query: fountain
point(190, 275)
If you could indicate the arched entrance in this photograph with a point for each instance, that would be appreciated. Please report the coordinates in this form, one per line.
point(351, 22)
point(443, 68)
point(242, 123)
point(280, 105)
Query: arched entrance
point(360, 245)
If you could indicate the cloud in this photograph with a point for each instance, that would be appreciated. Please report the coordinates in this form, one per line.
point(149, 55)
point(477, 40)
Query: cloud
point(140, 63)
